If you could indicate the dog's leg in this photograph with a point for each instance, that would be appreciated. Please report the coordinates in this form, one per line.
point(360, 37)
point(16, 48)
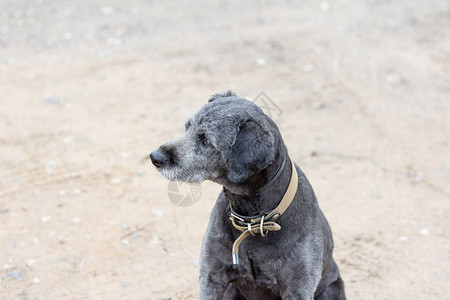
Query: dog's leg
point(211, 289)
point(298, 295)
point(296, 289)
point(233, 293)
point(214, 272)
point(334, 291)
point(300, 282)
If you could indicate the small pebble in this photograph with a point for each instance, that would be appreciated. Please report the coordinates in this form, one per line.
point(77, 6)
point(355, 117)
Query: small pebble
point(308, 68)
point(424, 231)
point(157, 212)
point(125, 154)
point(52, 100)
point(36, 280)
point(318, 105)
point(68, 139)
point(15, 274)
point(314, 153)
point(115, 180)
point(261, 61)
point(135, 235)
point(325, 5)
point(125, 242)
point(390, 77)
point(125, 226)
point(156, 240)
point(107, 10)
point(125, 284)
point(30, 262)
point(77, 260)
point(76, 220)
point(403, 238)
point(45, 219)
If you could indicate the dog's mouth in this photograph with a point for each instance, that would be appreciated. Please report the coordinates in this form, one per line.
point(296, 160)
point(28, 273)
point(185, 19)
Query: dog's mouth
point(164, 165)
point(176, 174)
point(167, 163)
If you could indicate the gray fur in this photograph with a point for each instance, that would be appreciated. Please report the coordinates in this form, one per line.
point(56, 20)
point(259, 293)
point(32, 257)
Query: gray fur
point(232, 142)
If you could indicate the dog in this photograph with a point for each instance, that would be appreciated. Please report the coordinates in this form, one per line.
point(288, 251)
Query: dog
point(267, 237)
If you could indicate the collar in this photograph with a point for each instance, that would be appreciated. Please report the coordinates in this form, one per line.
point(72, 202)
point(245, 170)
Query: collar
point(272, 180)
point(266, 222)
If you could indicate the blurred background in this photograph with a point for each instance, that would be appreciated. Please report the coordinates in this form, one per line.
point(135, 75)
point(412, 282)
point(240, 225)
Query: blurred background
point(89, 88)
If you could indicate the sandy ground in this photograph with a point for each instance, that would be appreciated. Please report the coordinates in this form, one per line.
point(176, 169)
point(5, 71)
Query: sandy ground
point(89, 88)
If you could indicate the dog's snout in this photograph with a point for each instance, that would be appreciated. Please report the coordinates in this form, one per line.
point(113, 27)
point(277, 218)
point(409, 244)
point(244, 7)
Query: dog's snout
point(158, 159)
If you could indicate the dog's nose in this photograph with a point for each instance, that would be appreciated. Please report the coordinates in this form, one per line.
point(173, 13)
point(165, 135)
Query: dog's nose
point(157, 158)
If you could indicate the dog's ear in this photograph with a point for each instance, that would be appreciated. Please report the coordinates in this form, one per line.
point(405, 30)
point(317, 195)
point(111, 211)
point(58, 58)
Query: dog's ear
point(223, 95)
point(252, 151)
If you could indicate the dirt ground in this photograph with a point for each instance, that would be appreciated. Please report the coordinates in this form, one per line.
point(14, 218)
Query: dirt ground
point(89, 88)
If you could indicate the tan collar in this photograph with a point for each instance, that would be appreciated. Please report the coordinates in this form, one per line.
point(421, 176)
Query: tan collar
point(263, 224)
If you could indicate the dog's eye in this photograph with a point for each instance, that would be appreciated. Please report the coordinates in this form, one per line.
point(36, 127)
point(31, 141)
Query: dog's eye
point(201, 137)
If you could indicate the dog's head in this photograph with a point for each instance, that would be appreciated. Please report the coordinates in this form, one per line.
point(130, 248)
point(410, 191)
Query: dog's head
point(229, 138)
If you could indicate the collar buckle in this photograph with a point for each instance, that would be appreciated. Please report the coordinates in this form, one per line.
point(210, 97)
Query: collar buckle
point(265, 223)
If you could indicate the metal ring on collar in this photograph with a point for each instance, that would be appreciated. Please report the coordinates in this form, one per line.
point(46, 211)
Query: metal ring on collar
point(249, 228)
point(261, 231)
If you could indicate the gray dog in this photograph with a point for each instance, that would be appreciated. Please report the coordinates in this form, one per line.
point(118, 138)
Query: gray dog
point(267, 237)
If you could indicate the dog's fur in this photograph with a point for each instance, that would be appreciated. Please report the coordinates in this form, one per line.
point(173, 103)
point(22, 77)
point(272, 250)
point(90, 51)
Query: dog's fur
point(232, 142)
